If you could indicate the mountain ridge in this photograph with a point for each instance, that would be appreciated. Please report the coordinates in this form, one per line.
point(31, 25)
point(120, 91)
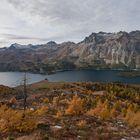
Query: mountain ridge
point(101, 50)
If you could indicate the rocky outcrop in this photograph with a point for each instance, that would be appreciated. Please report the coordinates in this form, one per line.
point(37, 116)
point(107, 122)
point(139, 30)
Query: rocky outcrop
point(99, 50)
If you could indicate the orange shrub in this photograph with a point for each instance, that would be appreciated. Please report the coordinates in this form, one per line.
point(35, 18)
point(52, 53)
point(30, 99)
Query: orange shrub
point(18, 120)
point(34, 103)
point(105, 113)
point(101, 110)
point(46, 100)
point(82, 124)
point(89, 92)
point(114, 112)
point(59, 115)
point(133, 118)
point(95, 111)
point(42, 110)
point(118, 105)
point(11, 120)
point(75, 106)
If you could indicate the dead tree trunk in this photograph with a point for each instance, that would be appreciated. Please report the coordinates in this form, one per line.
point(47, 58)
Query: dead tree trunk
point(25, 92)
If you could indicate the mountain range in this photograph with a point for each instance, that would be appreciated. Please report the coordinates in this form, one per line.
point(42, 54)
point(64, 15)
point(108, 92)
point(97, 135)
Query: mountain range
point(101, 50)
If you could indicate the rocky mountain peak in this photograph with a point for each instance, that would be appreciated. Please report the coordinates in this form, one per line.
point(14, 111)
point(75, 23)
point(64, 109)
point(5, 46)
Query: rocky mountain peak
point(51, 43)
point(135, 34)
point(19, 46)
point(67, 44)
point(91, 38)
point(96, 38)
point(15, 46)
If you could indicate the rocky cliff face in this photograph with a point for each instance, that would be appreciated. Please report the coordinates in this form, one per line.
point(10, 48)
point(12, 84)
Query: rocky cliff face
point(99, 50)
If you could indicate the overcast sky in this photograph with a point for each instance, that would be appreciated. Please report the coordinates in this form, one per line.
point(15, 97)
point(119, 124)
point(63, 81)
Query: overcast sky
point(39, 21)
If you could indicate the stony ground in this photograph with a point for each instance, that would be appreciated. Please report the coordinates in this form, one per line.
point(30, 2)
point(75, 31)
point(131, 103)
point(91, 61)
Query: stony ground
point(58, 125)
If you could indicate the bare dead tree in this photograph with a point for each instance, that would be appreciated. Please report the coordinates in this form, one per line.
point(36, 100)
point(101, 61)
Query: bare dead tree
point(25, 91)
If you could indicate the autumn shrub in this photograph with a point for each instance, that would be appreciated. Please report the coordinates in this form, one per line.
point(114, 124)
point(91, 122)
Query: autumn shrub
point(82, 124)
point(75, 106)
point(118, 105)
point(114, 112)
point(134, 107)
point(18, 120)
point(96, 110)
point(12, 120)
point(105, 113)
point(117, 109)
point(88, 92)
point(59, 115)
point(46, 100)
point(34, 103)
point(133, 118)
point(41, 110)
point(101, 110)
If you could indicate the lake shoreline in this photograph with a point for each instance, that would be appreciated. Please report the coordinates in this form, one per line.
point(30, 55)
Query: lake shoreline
point(79, 69)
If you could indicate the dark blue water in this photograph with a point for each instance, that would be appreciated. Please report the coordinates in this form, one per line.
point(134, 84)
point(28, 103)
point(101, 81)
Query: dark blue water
point(93, 75)
point(16, 78)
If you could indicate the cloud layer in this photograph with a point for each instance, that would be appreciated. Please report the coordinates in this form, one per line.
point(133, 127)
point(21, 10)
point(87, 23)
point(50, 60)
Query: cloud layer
point(63, 20)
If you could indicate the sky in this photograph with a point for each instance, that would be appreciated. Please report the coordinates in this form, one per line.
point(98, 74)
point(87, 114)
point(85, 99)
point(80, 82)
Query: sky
point(40, 21)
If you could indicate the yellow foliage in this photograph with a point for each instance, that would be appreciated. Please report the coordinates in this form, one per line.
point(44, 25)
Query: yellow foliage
point(105, 113)
point(34, 103)
point(59, 115)
point(114, 112)
point(133, 118)
point(118, 106)
point(46, 100)
point(82, 124)
point(89, 92)
point(11, 120)
point(101, 110)
point(95, 111)
point(42, 110)
point(18, 120)
point(75, 106)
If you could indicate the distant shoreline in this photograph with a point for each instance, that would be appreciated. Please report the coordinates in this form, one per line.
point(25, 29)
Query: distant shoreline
point(123, 71)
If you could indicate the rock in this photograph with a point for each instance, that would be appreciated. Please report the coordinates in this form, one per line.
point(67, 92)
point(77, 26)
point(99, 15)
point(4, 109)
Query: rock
point(100, 93)
point(32, 109)
point(56, 128)
point(113, 129)
point(123, 139)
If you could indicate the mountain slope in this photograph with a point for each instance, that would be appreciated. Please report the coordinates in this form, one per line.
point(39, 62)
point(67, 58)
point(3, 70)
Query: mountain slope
point(99, 50)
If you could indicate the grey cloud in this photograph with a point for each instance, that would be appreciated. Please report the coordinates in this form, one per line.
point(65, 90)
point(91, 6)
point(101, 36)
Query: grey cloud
point(8, 39)
point(63, 20)
point(18, 37)
point(89, 13)
point(7, 28)
point(53, 10)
